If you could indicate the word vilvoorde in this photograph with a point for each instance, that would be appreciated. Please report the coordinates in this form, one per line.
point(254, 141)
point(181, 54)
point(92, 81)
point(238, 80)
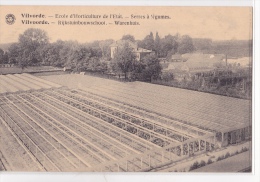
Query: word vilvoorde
point(34, 16)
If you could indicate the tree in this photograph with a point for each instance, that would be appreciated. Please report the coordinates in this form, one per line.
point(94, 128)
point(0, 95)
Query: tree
point(95, 48)
point(137, 72)
point(3, 57)
point(79, 58)
point(157, 44)
point(49, 54)
point(124, 59)
point(1, 53)
point(94, 64)
point(152, 67)
point(147, 42)
point(105, 47)
point(31, 40)
point(18, 56)
point(167, 76)
point(6, 58)
point(202, 44)
point(33, 37)
point(186, 45)
point(14, 53)
point(128, 37)
point(169, 44)
point(26, 52)
point(66, 52)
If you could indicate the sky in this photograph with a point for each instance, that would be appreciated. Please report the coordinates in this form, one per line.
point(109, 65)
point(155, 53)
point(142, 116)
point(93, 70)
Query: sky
point(217, 23)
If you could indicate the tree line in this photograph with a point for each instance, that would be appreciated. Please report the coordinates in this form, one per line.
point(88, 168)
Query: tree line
point(165, 46)
point(231, 48)
point(34, 48)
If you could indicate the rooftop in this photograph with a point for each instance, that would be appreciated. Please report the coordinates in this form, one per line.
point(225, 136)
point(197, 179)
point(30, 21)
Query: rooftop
point(196, 61)
point(205, 110)
point(22, 82)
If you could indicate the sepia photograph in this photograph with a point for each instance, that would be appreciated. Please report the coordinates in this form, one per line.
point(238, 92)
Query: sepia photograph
point(126, 89)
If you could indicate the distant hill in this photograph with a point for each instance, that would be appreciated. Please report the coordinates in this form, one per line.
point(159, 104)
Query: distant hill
point(231, 48)
point(5, 46)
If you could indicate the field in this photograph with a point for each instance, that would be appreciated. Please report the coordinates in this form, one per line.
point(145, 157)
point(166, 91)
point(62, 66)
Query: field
point(84, 123)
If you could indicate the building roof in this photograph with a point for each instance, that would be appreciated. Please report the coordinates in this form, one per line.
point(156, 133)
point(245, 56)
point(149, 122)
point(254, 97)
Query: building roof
point(203, 59)
point(196, 61)
point(207, 110)
point(176, 57)
point(23, 82)
point(244, 61)
point(143, 50)
point(137, 49)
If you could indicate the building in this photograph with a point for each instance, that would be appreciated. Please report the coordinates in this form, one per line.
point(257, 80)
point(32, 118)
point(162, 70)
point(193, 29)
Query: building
point(241, 62)
point(195, 62)
point(185, 65)
point(177, 58)
point(139, 52)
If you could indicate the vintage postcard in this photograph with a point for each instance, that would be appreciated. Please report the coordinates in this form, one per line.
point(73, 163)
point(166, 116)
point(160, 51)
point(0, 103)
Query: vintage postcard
point(126, 89)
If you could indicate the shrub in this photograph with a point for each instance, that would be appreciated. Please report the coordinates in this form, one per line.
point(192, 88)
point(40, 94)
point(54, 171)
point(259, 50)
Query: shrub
point(167, 76)
point(210, 161)
point(220, 158)
point(195, 165)
point(244, 149)
point(227, 155)
point(202, 163)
